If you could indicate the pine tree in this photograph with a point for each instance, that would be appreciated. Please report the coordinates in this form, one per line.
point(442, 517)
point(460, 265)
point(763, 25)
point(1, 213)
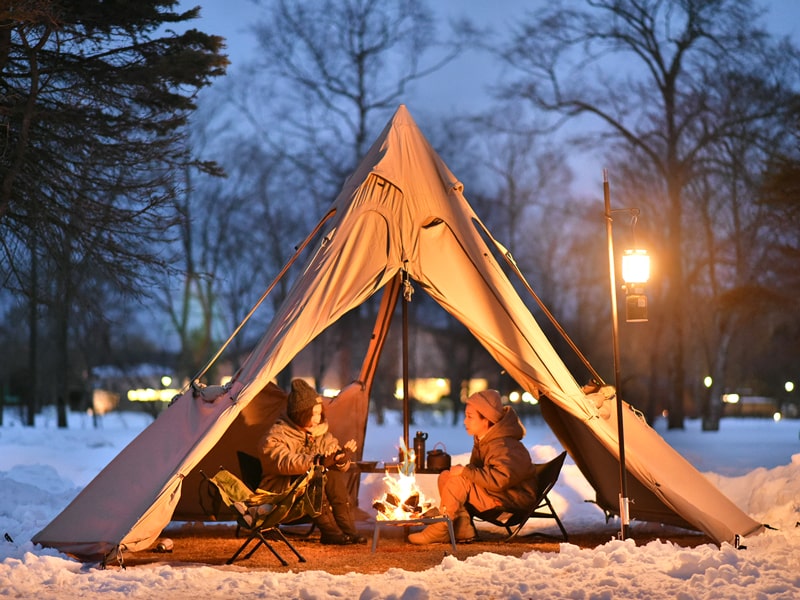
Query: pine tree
point(94, 99)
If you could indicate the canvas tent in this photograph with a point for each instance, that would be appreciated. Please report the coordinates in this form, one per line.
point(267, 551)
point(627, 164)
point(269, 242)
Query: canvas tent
point(400, 218)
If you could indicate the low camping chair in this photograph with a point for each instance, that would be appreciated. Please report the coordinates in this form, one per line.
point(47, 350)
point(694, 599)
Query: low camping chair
point(250, 467)
point(261, 513)
point(513, 520)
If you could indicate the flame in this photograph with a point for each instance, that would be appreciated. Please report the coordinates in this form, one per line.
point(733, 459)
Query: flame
point(409, 462)
point(403, 500)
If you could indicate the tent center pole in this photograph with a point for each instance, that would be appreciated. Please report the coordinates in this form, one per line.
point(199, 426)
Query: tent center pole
point(406, 400)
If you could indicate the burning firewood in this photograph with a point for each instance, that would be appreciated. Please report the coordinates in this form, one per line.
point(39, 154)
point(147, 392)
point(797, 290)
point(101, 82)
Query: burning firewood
point(390, 507)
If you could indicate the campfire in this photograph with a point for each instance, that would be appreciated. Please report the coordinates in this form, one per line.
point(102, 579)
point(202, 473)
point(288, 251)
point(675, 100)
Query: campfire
point(402, 500)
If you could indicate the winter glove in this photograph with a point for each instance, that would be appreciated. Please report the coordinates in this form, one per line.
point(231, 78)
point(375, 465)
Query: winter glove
point(336, 460)
point(342, 460)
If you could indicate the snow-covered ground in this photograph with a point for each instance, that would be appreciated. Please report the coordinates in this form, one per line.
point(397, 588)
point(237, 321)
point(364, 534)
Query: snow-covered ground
point(754, 462)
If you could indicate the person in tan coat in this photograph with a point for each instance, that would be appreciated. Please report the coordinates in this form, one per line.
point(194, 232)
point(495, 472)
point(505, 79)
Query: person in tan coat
point(500, 471)
point(298, 441)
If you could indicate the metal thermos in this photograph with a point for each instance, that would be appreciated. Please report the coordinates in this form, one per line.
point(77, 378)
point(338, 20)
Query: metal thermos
point(419, 450)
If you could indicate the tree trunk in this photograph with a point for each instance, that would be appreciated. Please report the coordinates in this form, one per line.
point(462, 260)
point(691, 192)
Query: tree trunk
point(675, 299)
point(32, 387)
point(62, 358)
point(61, 311)
point(712, 407)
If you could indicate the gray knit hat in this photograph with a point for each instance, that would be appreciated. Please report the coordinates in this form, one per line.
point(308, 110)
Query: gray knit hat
point(488, 403)
point(301, 397)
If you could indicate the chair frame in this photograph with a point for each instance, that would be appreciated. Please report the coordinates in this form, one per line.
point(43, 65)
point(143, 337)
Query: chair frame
point(262, 535)
point(251, 470)
point(513, 520)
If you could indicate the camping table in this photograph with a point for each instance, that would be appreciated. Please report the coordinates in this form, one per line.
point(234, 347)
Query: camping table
point(394, 468)
point(408, 523)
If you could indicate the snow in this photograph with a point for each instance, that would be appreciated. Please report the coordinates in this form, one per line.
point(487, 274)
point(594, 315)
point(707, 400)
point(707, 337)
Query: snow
point(756, 463)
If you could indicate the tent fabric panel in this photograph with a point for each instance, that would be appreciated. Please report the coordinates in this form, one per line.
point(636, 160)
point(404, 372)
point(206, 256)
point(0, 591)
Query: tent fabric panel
point(474, 290)
point(347, 415)
point(682, 488)
point(244, 434)
point(662, 485)
point(602, 465)
point(353, 262)
point(147, 529)
point(143, 473)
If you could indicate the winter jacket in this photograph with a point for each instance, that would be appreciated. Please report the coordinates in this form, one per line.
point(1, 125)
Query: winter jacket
point(288, 451)
point(501, 464)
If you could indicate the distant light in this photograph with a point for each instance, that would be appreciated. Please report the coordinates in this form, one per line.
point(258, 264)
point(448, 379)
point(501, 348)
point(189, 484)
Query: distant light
point(514, 397)
point(427, 390)
point(166, 381)
point(777, 417)
point(707, 381)
point(730, 398)
point(789, 386)
point(103, 401)
point(151, 395)
point(529, 398)
point(330, 392)
point(635, 266)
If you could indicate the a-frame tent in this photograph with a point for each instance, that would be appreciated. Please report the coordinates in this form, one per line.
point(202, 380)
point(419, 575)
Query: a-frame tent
point(400, 215)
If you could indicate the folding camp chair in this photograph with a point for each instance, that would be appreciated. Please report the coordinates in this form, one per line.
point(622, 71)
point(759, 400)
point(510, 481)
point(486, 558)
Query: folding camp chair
point(261, 513)
point(250, 467)
point(541, 508)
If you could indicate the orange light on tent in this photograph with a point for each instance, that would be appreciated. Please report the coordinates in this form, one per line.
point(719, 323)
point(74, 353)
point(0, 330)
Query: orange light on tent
point(635, 266)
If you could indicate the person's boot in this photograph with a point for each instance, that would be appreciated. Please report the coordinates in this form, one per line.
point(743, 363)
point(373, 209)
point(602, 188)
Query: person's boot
point(463, 528)
point(338, 492)
point(435, 533)
point(343, 515)
point(330, 533)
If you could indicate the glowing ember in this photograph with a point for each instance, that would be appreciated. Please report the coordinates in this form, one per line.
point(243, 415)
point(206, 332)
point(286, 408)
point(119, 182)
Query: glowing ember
point(403, 500)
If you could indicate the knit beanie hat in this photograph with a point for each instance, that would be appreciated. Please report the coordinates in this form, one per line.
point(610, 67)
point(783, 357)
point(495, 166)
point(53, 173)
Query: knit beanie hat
point(301, 397)
point(488, 403)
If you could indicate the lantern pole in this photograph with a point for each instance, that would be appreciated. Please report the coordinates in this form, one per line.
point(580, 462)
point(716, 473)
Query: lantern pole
point(623, 475)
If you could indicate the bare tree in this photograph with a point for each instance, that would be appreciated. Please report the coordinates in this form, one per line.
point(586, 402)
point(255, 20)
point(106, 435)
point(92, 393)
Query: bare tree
point(327, 76)
point(340, 76)
point(653, 74)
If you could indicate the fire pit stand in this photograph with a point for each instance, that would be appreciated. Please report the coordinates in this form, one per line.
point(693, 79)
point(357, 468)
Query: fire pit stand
point(410, 522)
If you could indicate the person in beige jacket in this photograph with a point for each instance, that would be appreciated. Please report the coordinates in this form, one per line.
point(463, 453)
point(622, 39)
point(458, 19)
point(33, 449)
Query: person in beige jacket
point(298, 441)
point(500, 472)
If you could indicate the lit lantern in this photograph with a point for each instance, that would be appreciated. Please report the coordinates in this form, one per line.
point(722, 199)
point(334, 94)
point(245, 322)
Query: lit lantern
point(635, 266)
point(635, 273)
